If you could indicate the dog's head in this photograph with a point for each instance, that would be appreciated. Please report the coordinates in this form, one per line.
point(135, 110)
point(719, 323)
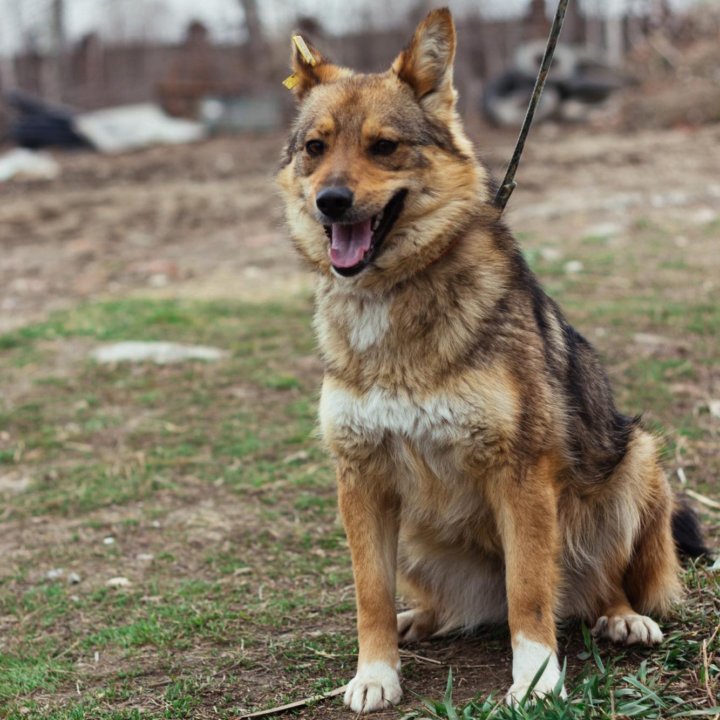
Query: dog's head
point(378, 175)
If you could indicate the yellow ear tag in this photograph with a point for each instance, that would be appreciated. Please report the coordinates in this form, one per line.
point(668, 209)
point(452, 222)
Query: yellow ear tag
point(292, 80)
point(308, 57)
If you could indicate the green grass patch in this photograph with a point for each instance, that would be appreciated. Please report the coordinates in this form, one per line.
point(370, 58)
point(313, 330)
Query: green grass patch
point(21, 675)
point(602, 691)
point(221, 503)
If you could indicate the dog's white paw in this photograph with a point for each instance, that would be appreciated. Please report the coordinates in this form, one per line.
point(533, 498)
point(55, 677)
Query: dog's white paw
point(628, 629)
point(528, 658)
point(376, 686)
point(519, 690)
point(416, 624)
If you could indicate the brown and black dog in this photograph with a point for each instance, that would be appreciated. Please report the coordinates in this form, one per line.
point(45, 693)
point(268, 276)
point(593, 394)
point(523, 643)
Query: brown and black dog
point(480, 458)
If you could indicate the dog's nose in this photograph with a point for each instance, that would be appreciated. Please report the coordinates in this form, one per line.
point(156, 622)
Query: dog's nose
point(333, 201)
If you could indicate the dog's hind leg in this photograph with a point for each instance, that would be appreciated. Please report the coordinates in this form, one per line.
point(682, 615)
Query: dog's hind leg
point(649, 583)
point(652, 579)
point(621, 624)
point(451, 590)
point(416, 624)
point(420, 622)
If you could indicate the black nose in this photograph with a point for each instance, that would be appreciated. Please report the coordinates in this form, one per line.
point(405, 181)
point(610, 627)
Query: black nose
point(333, 201)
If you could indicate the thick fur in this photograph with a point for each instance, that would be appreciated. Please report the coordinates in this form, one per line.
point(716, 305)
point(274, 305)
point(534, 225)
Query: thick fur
point(480, 456)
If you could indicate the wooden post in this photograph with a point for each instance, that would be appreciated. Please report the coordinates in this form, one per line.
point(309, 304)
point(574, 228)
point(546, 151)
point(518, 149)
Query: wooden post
point(256, 38)
point(55, 75)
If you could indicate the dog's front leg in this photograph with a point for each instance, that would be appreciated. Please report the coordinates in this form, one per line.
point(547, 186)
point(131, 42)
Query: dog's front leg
point(370, 516)
point(528, 525)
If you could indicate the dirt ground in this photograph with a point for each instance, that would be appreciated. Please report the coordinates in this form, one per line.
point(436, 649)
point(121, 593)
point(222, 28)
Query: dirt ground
point(623, 229)
point(205, 221)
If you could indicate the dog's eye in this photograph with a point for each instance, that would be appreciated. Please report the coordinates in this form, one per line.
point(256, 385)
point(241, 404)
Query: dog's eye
point(315, 148)
point(383, 147)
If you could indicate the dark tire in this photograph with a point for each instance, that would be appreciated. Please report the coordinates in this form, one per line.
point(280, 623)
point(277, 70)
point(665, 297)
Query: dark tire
point(505, 99)
point(528, 58)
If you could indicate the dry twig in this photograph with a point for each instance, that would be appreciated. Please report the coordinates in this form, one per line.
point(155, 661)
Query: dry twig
point(298, 703)
point(706, 665)
point(708, 502)
point(419, 658)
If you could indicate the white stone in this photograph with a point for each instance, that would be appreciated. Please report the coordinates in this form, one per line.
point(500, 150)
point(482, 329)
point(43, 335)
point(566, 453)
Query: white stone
point(703, 216)
point(118, 582)
point(14, 482)
point(604, 230)
point(24, 164)
point(161, 353)
point(572, 267)
point(714, 407)
point(551, 254)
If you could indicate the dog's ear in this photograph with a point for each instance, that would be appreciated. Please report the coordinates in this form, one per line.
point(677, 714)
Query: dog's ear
point(427, 63)
point(309, 68)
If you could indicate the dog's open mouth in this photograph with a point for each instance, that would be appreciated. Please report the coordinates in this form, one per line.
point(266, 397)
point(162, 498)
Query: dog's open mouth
point(353, 246)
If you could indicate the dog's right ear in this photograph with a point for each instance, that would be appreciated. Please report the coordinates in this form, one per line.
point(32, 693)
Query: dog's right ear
point(309, 68)
point(427, 63)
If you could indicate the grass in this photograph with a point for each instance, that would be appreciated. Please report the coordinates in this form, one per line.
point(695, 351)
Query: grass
point(678, 684)
point(600, 692)
point(220, 505)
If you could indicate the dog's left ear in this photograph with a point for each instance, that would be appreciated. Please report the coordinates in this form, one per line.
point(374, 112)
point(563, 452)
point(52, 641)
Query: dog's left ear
point(305, 61)
point(310, 68)
point(427, 63)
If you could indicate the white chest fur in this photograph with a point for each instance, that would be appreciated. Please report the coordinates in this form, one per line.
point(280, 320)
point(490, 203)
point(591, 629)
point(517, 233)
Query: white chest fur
point(378, 412)
point(477, 414)
point(360, 319)
point(368, 323)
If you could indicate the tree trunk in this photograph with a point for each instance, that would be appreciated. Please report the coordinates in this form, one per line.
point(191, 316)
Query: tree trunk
point(256, 41)
point(55, 76)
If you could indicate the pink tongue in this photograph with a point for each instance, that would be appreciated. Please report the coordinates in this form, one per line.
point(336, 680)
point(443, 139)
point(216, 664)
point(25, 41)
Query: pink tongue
point(349, 243)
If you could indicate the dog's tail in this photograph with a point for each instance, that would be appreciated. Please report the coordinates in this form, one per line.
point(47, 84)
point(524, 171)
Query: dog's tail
point(686, 530)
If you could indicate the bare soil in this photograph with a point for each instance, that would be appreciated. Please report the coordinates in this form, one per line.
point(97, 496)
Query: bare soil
point(205, 222)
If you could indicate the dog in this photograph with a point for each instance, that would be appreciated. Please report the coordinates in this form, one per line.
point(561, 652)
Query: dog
point(481, 462)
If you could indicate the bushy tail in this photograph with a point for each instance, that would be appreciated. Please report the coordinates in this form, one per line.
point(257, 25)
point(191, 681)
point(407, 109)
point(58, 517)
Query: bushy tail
point(686, 530)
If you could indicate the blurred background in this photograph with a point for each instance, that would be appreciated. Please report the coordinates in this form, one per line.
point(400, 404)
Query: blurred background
point(92, 89)
point(219, 61)
point(167, 517)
